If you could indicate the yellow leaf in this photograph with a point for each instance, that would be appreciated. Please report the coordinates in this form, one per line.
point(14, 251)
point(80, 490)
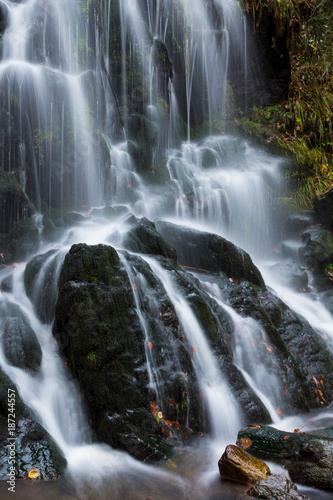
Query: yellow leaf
point(34, 473)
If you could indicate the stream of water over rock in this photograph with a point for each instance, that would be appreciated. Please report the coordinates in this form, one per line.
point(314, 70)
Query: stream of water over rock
point(97, 117)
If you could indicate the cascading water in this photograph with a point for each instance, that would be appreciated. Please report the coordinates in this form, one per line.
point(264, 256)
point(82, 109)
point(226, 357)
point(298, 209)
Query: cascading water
point(85, 87)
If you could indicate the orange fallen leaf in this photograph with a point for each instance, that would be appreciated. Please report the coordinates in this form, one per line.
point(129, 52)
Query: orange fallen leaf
point(150, 346)
point(171, 435)
point(175, 424)
point(286, 389)
point(185, 435)
point(286, 437)
point(279, 411)
point(246, 443)
point(255, 427)
point(134, 287)
point(154, 407)
point(193, 349)
point(167, 422)
point(288, 368)
point(297, 431)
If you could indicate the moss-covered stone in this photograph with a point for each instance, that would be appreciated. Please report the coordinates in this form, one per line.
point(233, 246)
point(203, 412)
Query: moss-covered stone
point(238, 465)
point(307, 457)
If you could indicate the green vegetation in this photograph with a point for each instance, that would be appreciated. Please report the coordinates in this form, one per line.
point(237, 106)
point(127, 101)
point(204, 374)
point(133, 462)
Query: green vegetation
point(301, 126)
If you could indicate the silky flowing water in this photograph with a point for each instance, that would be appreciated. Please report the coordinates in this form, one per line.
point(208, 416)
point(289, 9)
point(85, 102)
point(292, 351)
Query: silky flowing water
point(59, 90)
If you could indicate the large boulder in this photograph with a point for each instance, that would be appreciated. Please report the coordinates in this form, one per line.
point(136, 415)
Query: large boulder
point(19, 341)
point(98, 328)
point(210, 252)
point(238, 465)
point(307, 457)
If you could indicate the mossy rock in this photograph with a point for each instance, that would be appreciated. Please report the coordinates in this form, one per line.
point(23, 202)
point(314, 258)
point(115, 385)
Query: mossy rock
point(307, 457)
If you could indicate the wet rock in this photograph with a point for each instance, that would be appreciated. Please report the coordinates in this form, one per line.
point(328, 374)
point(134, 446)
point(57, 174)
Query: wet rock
point(143, 134)
point(23, 239)
point(238, 465)
point(317, 249)
point(19, 341)
point(99, 331)
point(275, 486)
point(295, 224)
point(302, 355)
point(33, 446)
point(13, 200)
point(324, 208)
point(73, 218)
point(205, 251)
point(307, 457)
point(40, 280)
point(6, 280)
point(143, 237)
point(291, 275)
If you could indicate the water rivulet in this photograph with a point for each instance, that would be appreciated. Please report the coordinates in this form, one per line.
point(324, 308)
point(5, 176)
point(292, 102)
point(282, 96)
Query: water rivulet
point(136, 325)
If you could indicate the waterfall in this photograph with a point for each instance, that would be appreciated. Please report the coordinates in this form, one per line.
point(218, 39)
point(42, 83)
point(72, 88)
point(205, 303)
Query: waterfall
point(115, 112)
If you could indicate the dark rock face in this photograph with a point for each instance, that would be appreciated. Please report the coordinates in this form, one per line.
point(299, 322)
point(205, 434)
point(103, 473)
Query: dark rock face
point(20, 343)
point(317, 248)
point(277, 487)
point(143, 237)
point(307, 457)
point(238, 465)
point(32, 445)
point(291, 275)
point(144, 134)
point(13, 201)
point(40, 280)
point(324, 208)
point(99, 331)
point(210, 252)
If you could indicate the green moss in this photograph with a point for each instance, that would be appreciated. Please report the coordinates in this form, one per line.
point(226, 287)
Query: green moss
point(92, 360)
point(205, 317)
point(329, 270)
